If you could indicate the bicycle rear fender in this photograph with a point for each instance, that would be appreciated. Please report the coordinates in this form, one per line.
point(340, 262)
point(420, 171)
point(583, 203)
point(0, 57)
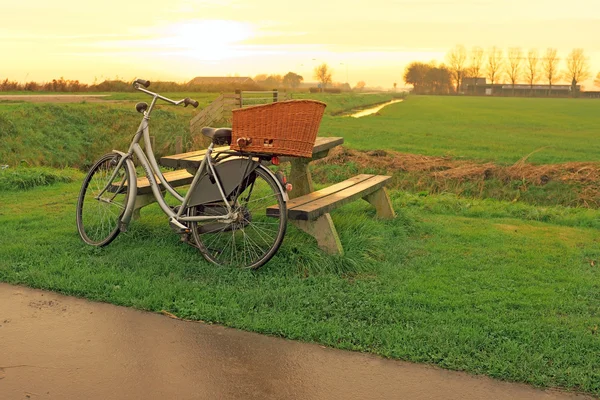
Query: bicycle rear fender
point(230, 173)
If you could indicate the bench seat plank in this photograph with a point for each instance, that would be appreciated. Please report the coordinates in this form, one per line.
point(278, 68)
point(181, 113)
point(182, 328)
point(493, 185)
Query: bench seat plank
point(316, 204)
point(175, 178)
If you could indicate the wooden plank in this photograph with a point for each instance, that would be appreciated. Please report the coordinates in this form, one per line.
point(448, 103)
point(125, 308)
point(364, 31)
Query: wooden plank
point(175, 178)
point(299, 201)
point(314, 209)
point(194, 158)
point(326, 143)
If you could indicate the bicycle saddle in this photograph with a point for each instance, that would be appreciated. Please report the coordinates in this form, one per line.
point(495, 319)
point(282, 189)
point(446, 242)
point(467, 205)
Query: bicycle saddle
point(218, 135)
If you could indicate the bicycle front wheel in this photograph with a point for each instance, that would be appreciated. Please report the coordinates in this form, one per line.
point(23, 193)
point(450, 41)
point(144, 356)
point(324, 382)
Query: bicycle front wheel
point(102, 200)
point(253, 237)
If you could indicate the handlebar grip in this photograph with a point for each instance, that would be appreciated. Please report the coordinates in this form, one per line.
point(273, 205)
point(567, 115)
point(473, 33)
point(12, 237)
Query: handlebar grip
point(187, 101)
point(142, 82)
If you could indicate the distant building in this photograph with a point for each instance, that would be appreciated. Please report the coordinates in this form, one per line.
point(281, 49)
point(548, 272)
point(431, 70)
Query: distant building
point(479, 86)
point(222, 80)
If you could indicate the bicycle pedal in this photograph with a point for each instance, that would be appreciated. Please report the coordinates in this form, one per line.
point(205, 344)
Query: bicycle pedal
point(178, 227)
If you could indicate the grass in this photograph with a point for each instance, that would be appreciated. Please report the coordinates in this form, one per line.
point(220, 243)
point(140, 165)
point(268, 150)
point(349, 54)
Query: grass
point(488, 129)
point(75, 135)
point(21, 178)
point(496, 288)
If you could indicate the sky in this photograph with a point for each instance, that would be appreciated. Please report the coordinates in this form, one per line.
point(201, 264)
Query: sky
point(372, 41)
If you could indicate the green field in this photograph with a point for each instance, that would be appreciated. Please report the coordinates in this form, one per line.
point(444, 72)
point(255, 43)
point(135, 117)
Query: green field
point(508, 289)
point(488, 129)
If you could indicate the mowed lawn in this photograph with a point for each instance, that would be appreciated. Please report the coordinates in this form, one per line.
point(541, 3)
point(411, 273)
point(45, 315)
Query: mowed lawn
point(488, 129)
point(503, 289)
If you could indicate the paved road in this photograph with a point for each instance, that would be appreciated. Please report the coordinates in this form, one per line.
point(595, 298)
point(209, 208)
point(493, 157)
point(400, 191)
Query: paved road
point(58, 347)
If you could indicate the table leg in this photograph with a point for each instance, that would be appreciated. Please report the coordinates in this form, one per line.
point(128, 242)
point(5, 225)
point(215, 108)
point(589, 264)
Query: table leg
point(322, 229)
point(300, 177)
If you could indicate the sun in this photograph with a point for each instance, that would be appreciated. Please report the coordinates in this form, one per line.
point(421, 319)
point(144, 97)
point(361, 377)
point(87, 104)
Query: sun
point(205, 39)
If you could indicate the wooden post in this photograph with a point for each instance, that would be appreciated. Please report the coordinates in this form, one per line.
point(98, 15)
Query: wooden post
point(238, 93)
point(178, 145)
point(300, 177)
point(322, 229)
point(275, 96)
point(382, 203)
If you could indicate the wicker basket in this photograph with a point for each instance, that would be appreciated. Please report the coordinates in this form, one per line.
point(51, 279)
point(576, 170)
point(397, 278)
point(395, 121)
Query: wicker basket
point(284, 128)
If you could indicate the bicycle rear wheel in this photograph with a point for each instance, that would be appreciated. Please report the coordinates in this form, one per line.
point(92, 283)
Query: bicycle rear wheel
point(253, 237)
point(99, 211)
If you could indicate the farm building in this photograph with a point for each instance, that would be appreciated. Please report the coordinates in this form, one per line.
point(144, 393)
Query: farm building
point(479, 86)
point(222, 80)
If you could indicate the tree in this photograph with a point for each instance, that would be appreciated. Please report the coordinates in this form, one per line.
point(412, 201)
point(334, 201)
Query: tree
point(360, 85)
point(292, 80)
point(322, 73)
point(597, 80)
point(513, 69)
point(439, 79)
point(550, 67)
point(578, 68)
point(532, 70)
point(494, 64)
point(415, 74)
point(457, 58)
point(476, 61)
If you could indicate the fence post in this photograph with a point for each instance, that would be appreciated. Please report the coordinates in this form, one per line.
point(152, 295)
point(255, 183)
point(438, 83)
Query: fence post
point(275, 96)
point(178, 146)
point(238, 93)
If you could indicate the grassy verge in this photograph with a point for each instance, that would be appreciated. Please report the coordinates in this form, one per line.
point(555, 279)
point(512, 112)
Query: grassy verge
point(27, 178)
point(502, 289)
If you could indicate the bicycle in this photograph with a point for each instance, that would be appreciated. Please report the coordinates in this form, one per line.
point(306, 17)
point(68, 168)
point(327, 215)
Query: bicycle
point(224, 209)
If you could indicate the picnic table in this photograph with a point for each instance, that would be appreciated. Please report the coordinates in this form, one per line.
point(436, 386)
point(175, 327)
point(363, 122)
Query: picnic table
point(307, 209)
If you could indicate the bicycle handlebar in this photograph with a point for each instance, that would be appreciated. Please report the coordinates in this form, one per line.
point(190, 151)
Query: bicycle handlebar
point(138, 83)
point(187, 101)
point(142, 82)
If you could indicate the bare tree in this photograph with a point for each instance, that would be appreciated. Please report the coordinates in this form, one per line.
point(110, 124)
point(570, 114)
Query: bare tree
point(532, 69)
point(476, 61)
point(494, 64)
point(578, 68)
point(550, 67)
point(513, 69)
point(323, 74)
point(457, 58)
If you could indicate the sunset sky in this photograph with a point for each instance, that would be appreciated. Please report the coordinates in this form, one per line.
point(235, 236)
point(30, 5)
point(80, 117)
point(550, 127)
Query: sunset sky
point(361, 40)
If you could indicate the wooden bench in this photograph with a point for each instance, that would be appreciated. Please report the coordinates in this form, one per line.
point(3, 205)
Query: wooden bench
point(310, 212)
point(307, 209)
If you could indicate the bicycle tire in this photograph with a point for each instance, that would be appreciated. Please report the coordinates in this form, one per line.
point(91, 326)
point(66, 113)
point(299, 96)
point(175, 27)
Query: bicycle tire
point(240, 243)
point(98, 219)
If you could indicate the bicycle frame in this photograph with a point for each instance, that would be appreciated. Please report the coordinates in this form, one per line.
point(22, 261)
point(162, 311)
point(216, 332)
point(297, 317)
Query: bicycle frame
point(152, 170)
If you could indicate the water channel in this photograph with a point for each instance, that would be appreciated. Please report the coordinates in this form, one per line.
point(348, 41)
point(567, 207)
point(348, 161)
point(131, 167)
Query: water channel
point(373, 110)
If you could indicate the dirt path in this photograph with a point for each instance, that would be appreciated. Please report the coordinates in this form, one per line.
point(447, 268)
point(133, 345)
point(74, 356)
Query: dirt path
point(58, 347)
point(54, 98)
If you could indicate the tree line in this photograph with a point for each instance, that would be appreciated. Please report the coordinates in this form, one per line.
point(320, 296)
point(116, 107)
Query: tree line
point(291, 80)
point(515, 66)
